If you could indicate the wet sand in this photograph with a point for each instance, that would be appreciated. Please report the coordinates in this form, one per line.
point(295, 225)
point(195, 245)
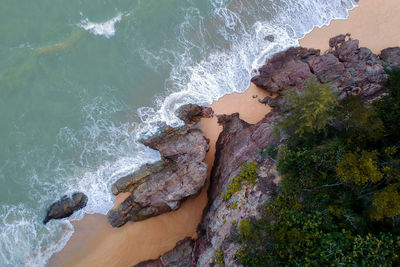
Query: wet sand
point(375, 23)
point(96, 243)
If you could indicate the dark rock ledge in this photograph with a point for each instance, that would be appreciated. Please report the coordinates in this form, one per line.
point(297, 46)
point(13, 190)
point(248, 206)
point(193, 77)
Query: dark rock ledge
point(181, 173)
point(66, 206)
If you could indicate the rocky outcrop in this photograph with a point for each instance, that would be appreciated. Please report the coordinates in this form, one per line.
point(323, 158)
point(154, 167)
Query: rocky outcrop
point(239, 142)
point(193, 113)
point(66, 206)
point(350, 69)
point(391, 57)
point(180, 256)
point(161, 186)
point(286, 69)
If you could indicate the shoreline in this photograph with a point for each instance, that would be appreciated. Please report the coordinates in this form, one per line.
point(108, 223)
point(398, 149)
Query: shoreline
point(373, 23)
point(94, 241)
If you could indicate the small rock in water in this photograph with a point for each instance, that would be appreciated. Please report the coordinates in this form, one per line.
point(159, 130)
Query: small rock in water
point(66, 206)
point(269, 38)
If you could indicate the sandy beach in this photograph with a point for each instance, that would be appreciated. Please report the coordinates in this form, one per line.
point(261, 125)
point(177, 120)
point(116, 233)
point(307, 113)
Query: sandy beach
point(95, 243)
point(375, 23)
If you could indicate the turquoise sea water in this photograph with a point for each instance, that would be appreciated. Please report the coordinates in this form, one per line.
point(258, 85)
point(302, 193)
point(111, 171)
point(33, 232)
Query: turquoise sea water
point(81, 81)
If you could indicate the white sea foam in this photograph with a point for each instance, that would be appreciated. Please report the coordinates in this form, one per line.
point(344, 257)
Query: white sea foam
point(240, 29)
point(107, 29)
point(229, 70)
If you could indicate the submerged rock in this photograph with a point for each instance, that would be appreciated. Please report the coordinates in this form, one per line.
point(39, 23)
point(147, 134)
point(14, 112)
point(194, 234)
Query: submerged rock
point(161, 186)
point(66, 206)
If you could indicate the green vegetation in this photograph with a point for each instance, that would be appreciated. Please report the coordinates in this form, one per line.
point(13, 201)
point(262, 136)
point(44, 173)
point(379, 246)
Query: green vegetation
point(270, 151)
point(218, 258)
point(248, 175)
point(310, 111)
point(338, 202)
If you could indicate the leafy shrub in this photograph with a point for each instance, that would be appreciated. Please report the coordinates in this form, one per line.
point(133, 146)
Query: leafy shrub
point(218, 257)
point(270, 151)
point(360, 168)
point(248, 175)
point(309, 111)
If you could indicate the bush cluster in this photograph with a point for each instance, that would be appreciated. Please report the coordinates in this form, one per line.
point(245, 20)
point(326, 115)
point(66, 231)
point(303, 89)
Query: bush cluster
point(248, 176)
point(338, 201)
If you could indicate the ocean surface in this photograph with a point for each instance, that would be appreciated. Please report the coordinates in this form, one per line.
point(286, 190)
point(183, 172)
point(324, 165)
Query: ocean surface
point(81, 81)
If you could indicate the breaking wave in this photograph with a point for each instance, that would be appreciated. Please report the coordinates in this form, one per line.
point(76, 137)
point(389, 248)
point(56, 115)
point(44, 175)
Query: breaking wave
point(106, 29)
point(200, 73)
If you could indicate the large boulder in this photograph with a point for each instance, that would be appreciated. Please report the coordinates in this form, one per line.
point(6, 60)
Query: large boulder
point(161, 186)
point(286, 69)
point(391, 57)
point(193, 113)
point(66, 206)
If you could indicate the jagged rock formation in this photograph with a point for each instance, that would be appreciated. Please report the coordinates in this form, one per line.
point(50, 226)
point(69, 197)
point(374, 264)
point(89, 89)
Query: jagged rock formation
point(180, 256)
point(238, 142)
point(66, 206)
point(181, 173)
point(350, 69)
point(191, 113)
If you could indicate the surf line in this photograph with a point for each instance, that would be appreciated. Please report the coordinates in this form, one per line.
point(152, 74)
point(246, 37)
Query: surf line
point(82, 29)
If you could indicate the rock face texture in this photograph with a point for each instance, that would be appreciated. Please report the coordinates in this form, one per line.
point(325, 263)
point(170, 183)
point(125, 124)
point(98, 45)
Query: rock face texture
point(391, 57)
point(180, 256)
point(66, 206)
point(181, 173)
point(350, 69)
point(239, 142)
point(191, 113)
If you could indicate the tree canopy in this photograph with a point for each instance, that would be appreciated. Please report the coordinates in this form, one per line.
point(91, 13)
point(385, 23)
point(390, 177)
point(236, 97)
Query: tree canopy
point(338, 201)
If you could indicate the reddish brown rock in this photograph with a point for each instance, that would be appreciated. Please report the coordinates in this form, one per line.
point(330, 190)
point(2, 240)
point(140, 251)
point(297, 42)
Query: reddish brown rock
point(286, 69)
point(180, 256)
point(193, 113)
point(239, 142)
point(350, 69)
point(162, 186)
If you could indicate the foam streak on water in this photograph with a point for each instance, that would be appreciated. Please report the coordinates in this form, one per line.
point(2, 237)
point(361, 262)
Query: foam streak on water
point(106, 29)
point(214, 56)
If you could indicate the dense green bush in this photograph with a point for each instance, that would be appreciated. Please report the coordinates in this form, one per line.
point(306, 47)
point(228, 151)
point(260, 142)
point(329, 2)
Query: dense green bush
point(338, 202)
point(248, 176)
point(309, 111)
point(218, 258)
